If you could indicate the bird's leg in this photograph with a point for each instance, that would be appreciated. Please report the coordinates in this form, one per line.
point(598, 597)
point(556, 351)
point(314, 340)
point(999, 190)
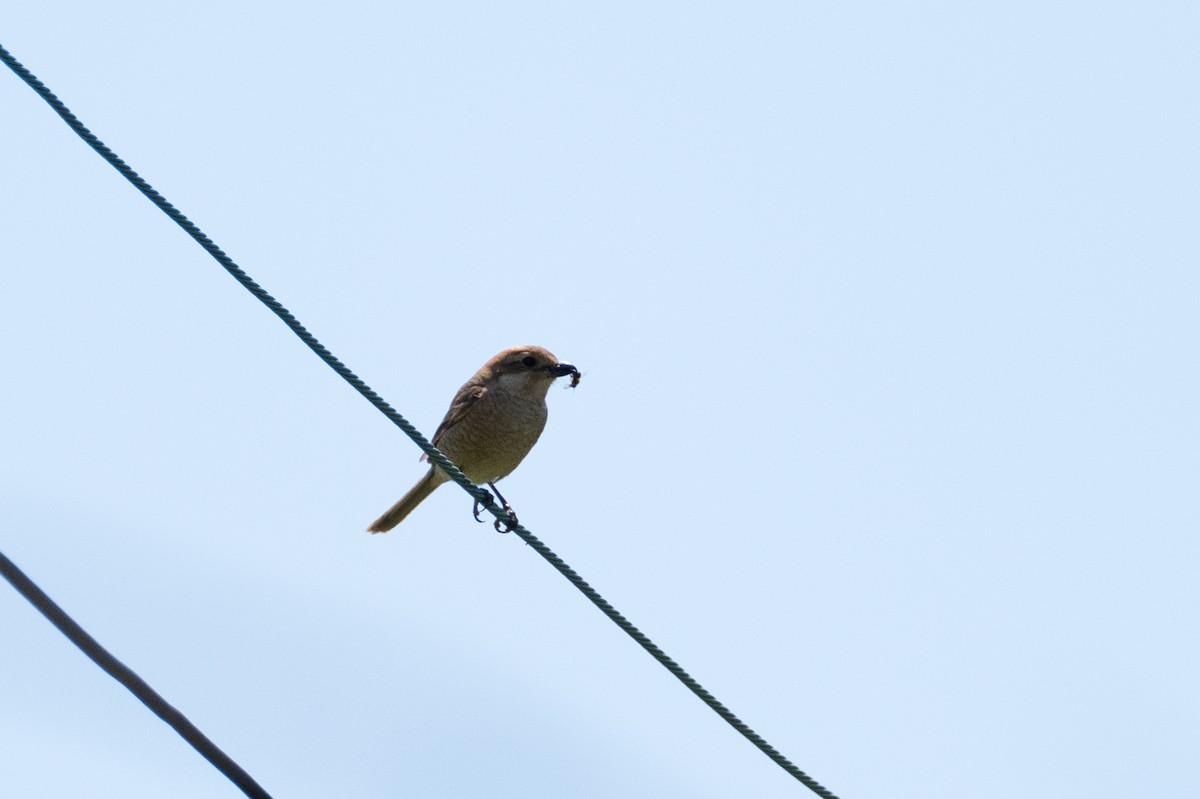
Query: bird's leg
point(480, 505)
point(508, 526)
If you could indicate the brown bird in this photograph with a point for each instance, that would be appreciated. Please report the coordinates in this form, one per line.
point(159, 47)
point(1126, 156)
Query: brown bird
point(493, 422)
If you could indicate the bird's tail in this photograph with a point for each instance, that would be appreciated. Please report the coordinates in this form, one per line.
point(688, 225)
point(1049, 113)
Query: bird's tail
point(408, 502)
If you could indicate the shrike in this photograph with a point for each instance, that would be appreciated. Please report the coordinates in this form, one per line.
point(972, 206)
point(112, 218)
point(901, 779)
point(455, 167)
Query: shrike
point(493, 422)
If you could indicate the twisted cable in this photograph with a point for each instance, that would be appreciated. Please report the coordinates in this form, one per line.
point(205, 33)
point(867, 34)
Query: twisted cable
point(483, 497)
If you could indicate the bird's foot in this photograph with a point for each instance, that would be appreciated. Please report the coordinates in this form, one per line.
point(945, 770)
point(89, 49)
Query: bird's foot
point(511, 522)
point(501, 525)
point(479, 506)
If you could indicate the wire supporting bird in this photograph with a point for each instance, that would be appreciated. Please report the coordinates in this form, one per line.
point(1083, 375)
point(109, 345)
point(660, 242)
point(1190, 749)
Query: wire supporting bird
point(495, 419)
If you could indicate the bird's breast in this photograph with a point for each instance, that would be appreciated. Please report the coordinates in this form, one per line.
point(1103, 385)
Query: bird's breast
point(495, 435)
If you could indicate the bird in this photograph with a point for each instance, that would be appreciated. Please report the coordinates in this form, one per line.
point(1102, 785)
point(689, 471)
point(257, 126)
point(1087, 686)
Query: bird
point(494, 420)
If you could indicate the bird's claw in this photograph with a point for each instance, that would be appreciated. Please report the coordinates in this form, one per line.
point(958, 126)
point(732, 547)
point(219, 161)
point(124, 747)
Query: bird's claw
point(479, 506)
point(509, 524)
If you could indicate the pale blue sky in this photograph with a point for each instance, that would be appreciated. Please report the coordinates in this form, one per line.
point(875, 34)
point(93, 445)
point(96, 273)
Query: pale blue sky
point(888, 318)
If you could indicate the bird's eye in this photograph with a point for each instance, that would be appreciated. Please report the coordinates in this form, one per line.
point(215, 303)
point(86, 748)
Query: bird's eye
point(529, 361)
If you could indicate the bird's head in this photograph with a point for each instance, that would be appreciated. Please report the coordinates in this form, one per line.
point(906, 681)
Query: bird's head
point(531, 368)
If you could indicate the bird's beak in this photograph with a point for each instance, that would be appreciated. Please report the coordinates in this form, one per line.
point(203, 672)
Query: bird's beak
point(562, 370)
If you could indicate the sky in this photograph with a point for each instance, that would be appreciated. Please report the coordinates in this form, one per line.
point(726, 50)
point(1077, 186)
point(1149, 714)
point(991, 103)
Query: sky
point(888, 322)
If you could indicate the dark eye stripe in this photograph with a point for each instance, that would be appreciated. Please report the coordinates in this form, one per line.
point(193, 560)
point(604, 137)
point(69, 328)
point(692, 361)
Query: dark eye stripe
point(529, 361)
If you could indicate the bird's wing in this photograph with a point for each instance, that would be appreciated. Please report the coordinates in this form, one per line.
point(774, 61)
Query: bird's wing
point(466, 398)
